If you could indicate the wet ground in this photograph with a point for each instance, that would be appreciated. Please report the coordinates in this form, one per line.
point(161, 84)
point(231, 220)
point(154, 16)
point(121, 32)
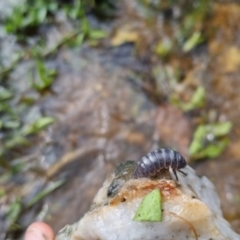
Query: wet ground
point(111, 103)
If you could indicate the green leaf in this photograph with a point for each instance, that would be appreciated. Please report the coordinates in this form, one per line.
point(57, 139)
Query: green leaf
point(53, 6)
point(193, 41)
point(16, 140)
point(5, 94)
point(85, 26)
point(46, 76)
point(14, 210)
point(41, 14)
point(197, 100)
point(97, 34)
point(52, 186)
point(214, 150)
point(150, 209)
point(38, 125)
point(221, 129)
point(2, 193)
point(11, 124)
point(77, 41)
point(201, 147)
point(163, 48)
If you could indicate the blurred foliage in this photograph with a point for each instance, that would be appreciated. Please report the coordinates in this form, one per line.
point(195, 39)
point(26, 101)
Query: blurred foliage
point(38, 125)
point(35, 13)
point(188, 31)
point(196, 101)
point(20, 117)
point(50, 188)
point(209, 140)
point(164, 47)
point(14, 212)
point(45, 77)
point(5, 94)
point(2, 192)
point(182, 31)
point(17, 206)
point(193, 41)
point(30, 14)
point(25, 23)
point(30, 18)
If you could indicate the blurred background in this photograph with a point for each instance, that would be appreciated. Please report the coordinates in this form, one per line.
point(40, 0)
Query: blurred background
point(85, 85)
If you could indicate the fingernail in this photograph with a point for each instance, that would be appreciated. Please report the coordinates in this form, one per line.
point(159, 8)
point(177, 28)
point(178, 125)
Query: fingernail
point(34, 234)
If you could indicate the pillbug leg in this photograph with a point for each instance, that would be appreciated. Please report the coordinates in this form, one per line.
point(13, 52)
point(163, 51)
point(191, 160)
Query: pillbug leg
point(185, 174)
point(175, 173)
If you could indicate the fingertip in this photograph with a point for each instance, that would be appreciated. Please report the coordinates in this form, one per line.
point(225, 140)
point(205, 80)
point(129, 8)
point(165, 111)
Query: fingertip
point(39, 231)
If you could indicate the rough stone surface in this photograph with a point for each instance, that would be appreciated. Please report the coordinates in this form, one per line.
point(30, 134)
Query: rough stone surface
point(191, 210)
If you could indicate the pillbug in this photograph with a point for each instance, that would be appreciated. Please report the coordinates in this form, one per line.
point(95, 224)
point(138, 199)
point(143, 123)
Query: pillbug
point(157, 160)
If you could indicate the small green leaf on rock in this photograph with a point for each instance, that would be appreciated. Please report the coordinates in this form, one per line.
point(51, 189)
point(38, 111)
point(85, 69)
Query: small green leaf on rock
point(150, 209)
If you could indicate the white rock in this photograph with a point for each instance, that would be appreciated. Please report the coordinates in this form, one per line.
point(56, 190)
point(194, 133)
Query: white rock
point(191, 210)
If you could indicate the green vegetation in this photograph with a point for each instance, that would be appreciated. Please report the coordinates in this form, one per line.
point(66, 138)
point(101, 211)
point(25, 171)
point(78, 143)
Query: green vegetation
point(25, 23)
point(45, 77)
point(38, 125)
point(164, 47)
point(193, 41)
point(50, 188)
point(33, 14)
point(14, 212)
point(209, 140)
point(21, 119)
point(188, 31)
point(196, 101)
point(150, 209)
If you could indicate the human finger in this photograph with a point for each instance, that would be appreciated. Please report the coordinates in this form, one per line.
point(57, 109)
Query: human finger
point(39, 231)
